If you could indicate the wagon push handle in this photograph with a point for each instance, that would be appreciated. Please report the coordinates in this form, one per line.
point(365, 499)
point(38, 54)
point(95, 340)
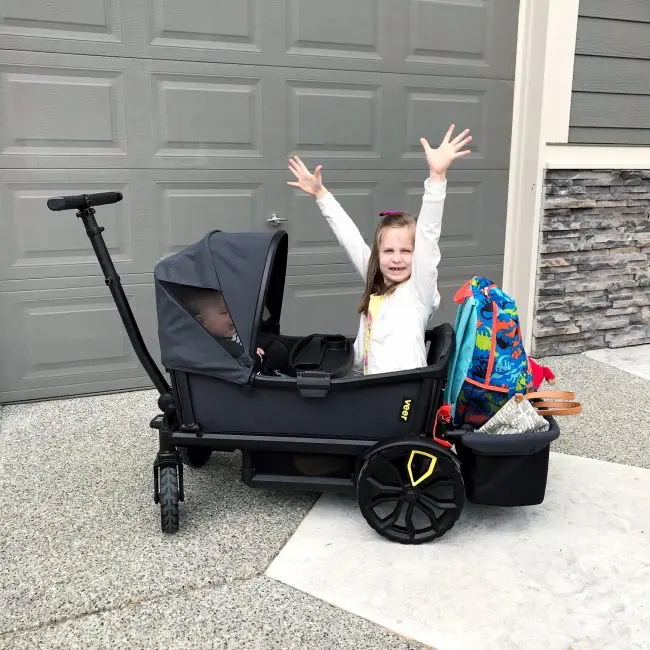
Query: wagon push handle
point(84, 203)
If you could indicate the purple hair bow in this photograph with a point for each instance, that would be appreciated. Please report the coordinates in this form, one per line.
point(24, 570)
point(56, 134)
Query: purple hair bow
point(390, 213)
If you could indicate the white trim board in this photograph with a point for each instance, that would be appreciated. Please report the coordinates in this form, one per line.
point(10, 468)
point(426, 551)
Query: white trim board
point(542, 103)
point(596, 157)
point(558, 77)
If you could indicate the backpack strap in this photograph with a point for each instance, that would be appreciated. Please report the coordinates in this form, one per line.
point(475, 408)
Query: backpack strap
point(458, 367)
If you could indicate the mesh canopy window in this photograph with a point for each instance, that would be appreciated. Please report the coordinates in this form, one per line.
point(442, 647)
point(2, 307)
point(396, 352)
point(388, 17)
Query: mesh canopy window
point(209, 308)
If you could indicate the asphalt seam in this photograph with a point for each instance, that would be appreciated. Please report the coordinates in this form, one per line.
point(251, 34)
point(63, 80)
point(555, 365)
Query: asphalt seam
point(127, 604)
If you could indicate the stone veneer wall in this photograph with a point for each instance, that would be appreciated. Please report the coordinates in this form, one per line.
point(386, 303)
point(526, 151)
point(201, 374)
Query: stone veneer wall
point(593, 282)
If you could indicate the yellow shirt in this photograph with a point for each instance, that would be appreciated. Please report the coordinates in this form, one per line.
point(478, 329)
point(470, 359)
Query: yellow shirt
point(373, 310)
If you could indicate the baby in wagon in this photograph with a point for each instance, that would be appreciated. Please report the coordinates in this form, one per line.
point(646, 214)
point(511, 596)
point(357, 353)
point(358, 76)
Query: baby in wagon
point(210, 309)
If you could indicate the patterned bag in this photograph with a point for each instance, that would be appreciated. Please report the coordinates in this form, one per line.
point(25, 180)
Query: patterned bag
point(490, 364)
point(517, 416)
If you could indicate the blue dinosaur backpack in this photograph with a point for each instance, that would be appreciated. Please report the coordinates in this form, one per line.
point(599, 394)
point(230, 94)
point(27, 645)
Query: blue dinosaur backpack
point(489, 364)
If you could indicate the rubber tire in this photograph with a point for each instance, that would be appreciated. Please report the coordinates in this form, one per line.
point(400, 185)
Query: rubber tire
point(195, 456)
point(446, 457)
point(168, 487)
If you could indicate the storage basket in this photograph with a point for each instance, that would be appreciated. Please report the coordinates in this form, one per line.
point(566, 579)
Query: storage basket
point(505, 470)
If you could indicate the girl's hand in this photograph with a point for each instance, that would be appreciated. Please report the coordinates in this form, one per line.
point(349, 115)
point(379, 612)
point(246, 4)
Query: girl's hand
point(310, 183)
point(440, 159)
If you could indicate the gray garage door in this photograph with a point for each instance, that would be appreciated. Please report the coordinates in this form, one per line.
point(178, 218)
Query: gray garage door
point(190, 108)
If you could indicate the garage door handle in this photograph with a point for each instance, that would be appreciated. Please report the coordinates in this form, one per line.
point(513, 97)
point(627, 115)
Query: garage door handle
point(275, 221)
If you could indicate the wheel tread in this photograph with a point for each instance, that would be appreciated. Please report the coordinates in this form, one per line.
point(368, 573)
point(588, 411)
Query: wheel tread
point(169, 497)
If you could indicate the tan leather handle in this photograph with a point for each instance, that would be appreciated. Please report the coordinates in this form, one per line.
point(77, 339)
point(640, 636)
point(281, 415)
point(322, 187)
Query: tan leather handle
point(554, 402)
point(552, 394)
point(558, 408)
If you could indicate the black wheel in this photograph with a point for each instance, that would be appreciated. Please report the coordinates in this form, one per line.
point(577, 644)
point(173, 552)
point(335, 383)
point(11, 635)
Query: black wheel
point(411, 491)
point(195, 456)
point(169, 497)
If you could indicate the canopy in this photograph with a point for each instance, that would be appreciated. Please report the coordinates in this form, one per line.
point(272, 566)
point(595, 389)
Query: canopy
point(249, 270)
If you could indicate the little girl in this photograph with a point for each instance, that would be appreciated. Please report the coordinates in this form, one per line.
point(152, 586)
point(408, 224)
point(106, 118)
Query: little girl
point(401, 270)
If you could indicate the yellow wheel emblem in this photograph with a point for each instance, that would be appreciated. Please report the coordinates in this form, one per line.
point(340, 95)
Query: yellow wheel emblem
point(426, 474)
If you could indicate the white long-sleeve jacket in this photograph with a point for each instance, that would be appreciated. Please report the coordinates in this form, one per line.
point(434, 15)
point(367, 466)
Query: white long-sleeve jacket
point(398, 332)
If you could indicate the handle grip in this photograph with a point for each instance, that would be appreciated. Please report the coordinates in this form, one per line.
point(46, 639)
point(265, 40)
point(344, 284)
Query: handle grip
point(82, 201)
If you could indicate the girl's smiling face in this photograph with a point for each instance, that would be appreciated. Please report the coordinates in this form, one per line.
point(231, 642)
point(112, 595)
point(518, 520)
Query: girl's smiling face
point(396, 254)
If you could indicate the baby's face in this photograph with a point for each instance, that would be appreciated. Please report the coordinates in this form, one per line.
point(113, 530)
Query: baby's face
point(215, 317)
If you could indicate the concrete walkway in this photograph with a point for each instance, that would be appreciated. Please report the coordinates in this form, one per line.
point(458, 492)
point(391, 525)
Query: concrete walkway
point(570, 573)
point(84, 563)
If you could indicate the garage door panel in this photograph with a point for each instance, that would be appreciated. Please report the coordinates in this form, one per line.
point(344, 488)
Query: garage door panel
point(39, 243)
point(337, 28)
point(334, 120)
point(68, 17)
point(312, 241)
point(210, 116)
point(39, 116)
point(474, 38)
point(206, 117)
point(427, 107)
point(442, 30)
point(189, 209)
point(205, 24)
point(462, 107)
point(108, 27)
point(69, 336)
point(475, 211)
point(71, 111)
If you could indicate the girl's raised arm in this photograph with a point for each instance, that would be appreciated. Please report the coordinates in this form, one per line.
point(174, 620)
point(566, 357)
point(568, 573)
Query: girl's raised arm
point(344, 228)
point(426, 253)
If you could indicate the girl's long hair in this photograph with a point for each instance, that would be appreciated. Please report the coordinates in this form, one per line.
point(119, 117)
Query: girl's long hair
point(374, 279)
